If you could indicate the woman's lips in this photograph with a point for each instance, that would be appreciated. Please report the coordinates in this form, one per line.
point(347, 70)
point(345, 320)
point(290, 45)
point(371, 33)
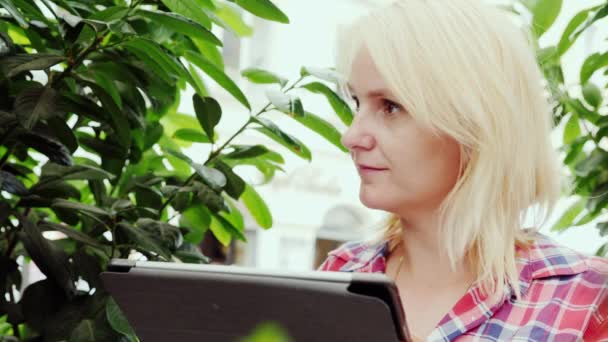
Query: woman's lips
point(369, 170)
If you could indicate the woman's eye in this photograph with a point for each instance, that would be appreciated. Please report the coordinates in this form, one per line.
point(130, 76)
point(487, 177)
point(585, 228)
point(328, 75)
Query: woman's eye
point(356, 102)
point(390, 107)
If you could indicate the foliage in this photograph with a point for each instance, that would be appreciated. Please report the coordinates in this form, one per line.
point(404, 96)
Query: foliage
point(92, 148)
point(581, 107)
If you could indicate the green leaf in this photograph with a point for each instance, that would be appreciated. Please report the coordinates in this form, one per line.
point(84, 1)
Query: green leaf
point(13, 65)
point(180, 24)
point(572, 129)
point(569, 36)
point(603, 12)
point(10, 184)
point(55, 151)
point(218, 75)
point(208, 112)
point(14, 12)
point(603, 228)
point(211, 176)
point(325, 74)
point(107, 84)
point(52, 261)
point(192, 135)
point(191, 9)
point(246, 151)
point(72, 233)
point(33, 104)
point(263, 9)
point(143, 241)
point(81, 171)
point(231, 19)
point(117, 319)
point(285, 103)
point(197, 219)
point(234, 183)
point(592, 95)
point(592, 64)
point(224, 230)
point(65, 204)
point(544, 14)
point(155, 56)
point(260, 76)
point(602, 251)
point(340, 107)
point(321, 127)
point(63, 133)
point(275, 133)
point(569, 216)
point(591, 163)
point(576, 106)
point(257, 207)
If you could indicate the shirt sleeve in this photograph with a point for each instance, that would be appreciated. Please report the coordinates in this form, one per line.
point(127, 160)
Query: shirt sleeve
point(332, 264)
point(597, 330)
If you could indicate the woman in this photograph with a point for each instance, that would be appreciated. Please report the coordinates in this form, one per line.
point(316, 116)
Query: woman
point(451, 136)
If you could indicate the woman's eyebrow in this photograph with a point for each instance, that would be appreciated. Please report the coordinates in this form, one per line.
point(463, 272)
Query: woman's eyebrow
point(382, 92)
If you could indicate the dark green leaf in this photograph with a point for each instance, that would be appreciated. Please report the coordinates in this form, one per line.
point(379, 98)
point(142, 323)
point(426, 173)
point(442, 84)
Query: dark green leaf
point(34, 104)
point(81, 171)
point(10, 184)
point(63, 133)
point(592, 95)
point(13, 65)
point(211, 176)
point(235, 184)
point(117, 319)
point(260, 76)
point(257, 207)
point(143, 241)
point(579, 108)
point(340, 107)
point(597, 159)
point(208, 113)
point(61, 203)
point(72, 233)
point(14, 12)
point(156, 57)
point(40, 301)
point(603, 228)
point(55, 189)
point(246, 151)
point(291, 143)
point(180, 24)
point(218, 75)
point(263, 9)
point(56, 152)
point(52, 261)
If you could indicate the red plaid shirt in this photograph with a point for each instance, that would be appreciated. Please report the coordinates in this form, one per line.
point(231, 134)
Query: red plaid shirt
point(564, 296)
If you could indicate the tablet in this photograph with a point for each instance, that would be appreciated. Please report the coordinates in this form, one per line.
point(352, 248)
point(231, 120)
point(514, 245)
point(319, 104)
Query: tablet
point(166, 301)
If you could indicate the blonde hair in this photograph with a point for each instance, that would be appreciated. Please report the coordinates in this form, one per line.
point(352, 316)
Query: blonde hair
point(463, 69)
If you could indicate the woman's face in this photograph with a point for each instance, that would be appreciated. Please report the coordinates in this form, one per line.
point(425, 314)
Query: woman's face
point(403, 167)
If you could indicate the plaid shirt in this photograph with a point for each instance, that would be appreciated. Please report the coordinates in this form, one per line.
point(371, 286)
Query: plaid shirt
point(564, 296)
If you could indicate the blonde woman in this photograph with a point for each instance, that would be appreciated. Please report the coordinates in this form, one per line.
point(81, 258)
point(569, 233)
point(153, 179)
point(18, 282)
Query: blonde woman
point(451, 136)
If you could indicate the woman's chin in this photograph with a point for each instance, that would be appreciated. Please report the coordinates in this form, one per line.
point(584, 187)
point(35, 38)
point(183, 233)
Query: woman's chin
point(373, 199)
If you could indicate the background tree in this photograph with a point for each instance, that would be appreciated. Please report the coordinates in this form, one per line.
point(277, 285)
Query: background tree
point(91, 147)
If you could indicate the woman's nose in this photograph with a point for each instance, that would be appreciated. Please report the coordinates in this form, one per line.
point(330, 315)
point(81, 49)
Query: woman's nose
point(357, 137)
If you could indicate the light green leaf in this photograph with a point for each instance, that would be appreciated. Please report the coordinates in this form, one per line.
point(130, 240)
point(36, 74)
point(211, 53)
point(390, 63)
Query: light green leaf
point(257, 207)
point(545, 12)
point(592, 64)
point(570, 34)
point(569, 216)
point(263, 9)
point(192, 135)
point(285, 103)
point(197, 219)
point(260, 76)
point(219, 231)
point(218, 75)
point(340, 107)
point(325, 74)
point(229, 18)
point(572, 129)
point(180, 24)
point(321, 127)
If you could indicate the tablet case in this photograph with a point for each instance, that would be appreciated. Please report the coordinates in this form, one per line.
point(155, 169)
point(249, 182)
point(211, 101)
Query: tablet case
point(190, 302)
